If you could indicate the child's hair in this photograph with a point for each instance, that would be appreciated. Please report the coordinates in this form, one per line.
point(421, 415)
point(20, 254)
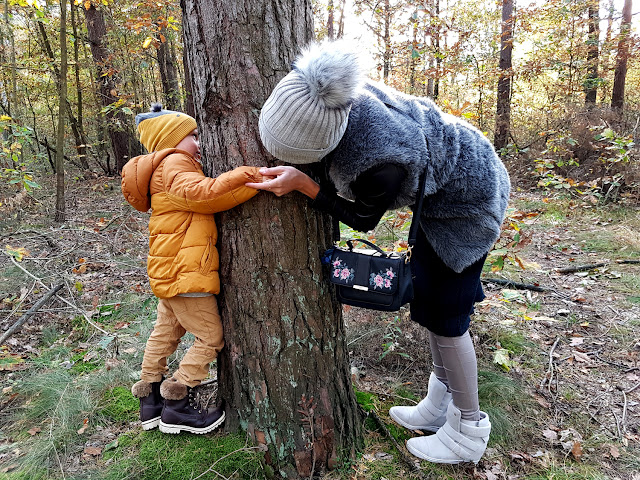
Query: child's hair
point(160, 129)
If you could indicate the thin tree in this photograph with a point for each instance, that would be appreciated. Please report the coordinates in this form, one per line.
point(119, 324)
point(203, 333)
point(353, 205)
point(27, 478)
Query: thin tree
point(82, 148)
point(620, 76)
point(123, 141)
point(62, 106)
point(503, 101)
point(330, 12)
point(168, 69)
point(591, 81)
point(284, 373)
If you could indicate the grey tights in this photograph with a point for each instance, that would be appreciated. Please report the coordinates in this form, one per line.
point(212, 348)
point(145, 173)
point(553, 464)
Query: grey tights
point(455, 365)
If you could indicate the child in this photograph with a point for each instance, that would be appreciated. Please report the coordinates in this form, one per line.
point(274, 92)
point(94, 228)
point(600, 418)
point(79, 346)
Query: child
point(182, 264)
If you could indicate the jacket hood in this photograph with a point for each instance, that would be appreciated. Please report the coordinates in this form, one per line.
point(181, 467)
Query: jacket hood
point(136, 178)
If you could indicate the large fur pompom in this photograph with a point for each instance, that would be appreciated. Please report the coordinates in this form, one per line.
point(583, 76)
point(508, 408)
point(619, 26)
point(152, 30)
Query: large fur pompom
point(332, 70)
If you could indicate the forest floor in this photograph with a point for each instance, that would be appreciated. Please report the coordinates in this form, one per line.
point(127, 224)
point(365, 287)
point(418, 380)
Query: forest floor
point(559, 353)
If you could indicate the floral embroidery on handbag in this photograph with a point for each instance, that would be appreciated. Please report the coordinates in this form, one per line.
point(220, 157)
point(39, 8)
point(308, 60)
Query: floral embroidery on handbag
point(341, 270)
point(383, 279)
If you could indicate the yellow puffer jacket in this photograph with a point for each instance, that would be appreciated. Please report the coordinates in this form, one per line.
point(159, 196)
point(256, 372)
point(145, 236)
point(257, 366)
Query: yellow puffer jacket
point(182, 231)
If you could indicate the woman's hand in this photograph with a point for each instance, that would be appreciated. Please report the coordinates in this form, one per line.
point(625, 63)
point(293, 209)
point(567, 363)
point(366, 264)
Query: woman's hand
point(284, 179)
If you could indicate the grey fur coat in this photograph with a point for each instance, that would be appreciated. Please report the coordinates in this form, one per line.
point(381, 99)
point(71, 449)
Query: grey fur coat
point(467, 187)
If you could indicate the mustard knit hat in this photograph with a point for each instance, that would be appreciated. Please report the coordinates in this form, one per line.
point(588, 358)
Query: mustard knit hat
point(160, 129)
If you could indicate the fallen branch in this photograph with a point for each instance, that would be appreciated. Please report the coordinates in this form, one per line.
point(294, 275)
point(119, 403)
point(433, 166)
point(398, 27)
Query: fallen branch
point(30, 312)
point(584, 268)
point(516, 285)
point(549, 376)
point(62, 299)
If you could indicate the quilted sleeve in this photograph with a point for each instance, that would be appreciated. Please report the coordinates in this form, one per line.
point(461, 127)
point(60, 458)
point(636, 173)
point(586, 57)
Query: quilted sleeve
point(189, 189)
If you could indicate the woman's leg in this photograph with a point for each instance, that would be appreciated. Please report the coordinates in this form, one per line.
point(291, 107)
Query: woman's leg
point(436, 359)
point(460, 364)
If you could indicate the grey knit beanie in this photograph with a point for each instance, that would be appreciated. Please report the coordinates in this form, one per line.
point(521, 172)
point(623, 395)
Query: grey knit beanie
point(306, 115)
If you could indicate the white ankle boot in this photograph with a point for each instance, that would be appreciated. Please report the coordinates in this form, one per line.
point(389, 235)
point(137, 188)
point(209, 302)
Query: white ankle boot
point(430, 413)
point(457, 441)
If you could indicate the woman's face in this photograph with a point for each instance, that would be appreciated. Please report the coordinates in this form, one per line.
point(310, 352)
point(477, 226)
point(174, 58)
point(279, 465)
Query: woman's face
point(190, 144)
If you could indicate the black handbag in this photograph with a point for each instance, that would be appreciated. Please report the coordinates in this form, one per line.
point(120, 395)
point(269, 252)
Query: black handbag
point(372, 278)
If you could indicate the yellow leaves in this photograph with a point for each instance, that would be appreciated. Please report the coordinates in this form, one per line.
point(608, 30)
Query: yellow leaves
point(26, 3)
point(5, 118)
point(17, 252)
point(147, 42)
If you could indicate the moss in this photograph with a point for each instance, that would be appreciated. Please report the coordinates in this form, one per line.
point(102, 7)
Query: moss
point(368, 401)
point(152, 455)
point(120, 405)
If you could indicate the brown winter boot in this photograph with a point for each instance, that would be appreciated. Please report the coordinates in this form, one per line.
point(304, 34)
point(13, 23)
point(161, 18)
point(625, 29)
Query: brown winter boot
point(151, 403)
point(182, 413)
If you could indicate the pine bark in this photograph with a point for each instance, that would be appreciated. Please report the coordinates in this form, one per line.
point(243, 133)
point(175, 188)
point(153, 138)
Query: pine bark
point(123, 141)
point(284, 373)
point(503, 103)
point(620, 75)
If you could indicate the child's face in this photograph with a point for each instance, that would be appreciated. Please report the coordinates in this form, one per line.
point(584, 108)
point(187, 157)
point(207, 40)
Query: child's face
point(190, 144)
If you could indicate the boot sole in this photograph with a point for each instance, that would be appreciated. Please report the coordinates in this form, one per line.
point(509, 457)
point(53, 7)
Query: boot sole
point(429, 428)
point(417, 453)
point(150, 424)
point(173, 429)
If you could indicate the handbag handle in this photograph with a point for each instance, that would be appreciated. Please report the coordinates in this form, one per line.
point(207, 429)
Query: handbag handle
point(366, 242)
point(415, 219)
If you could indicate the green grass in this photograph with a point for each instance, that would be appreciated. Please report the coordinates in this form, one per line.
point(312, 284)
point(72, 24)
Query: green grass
point(567, 472)
point(153, 455)
point(503, 400)
point(59, 402)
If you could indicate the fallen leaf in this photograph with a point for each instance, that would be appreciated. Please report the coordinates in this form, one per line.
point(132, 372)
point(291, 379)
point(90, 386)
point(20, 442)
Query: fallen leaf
point(85, 425)
point(34, 431)
point(121, 325)
point(581, 357)
point(550, 434)
point(576, 341)
point(95, 451)
point(614, 452)
point(576, 450)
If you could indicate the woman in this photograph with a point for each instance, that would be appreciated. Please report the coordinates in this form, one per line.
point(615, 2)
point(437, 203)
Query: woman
point(374, 143)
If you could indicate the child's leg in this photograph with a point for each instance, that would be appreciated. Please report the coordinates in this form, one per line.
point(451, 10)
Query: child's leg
point(163, 342)
point(199, 316)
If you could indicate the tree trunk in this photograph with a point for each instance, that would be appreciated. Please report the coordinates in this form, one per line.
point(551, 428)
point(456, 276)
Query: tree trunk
point(12, 105)
point(62, 94)
point(330, 33)
point(620, 76)
point(168, 73)
point(188, 89)
point(503, 101)
point(82, 148)
point(123, 141)
point(591, 82)
point(386, 56)
point(341, 21)
point(73, 122)
point(284, 373)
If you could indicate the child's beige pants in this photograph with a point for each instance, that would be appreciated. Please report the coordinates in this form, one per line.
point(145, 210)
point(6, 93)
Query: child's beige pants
point(176, 316)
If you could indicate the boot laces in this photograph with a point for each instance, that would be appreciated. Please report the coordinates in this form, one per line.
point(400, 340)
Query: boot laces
point(198, 401)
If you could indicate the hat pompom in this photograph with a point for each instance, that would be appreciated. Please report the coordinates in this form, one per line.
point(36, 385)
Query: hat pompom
point(333, 72)
point(156, 107)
